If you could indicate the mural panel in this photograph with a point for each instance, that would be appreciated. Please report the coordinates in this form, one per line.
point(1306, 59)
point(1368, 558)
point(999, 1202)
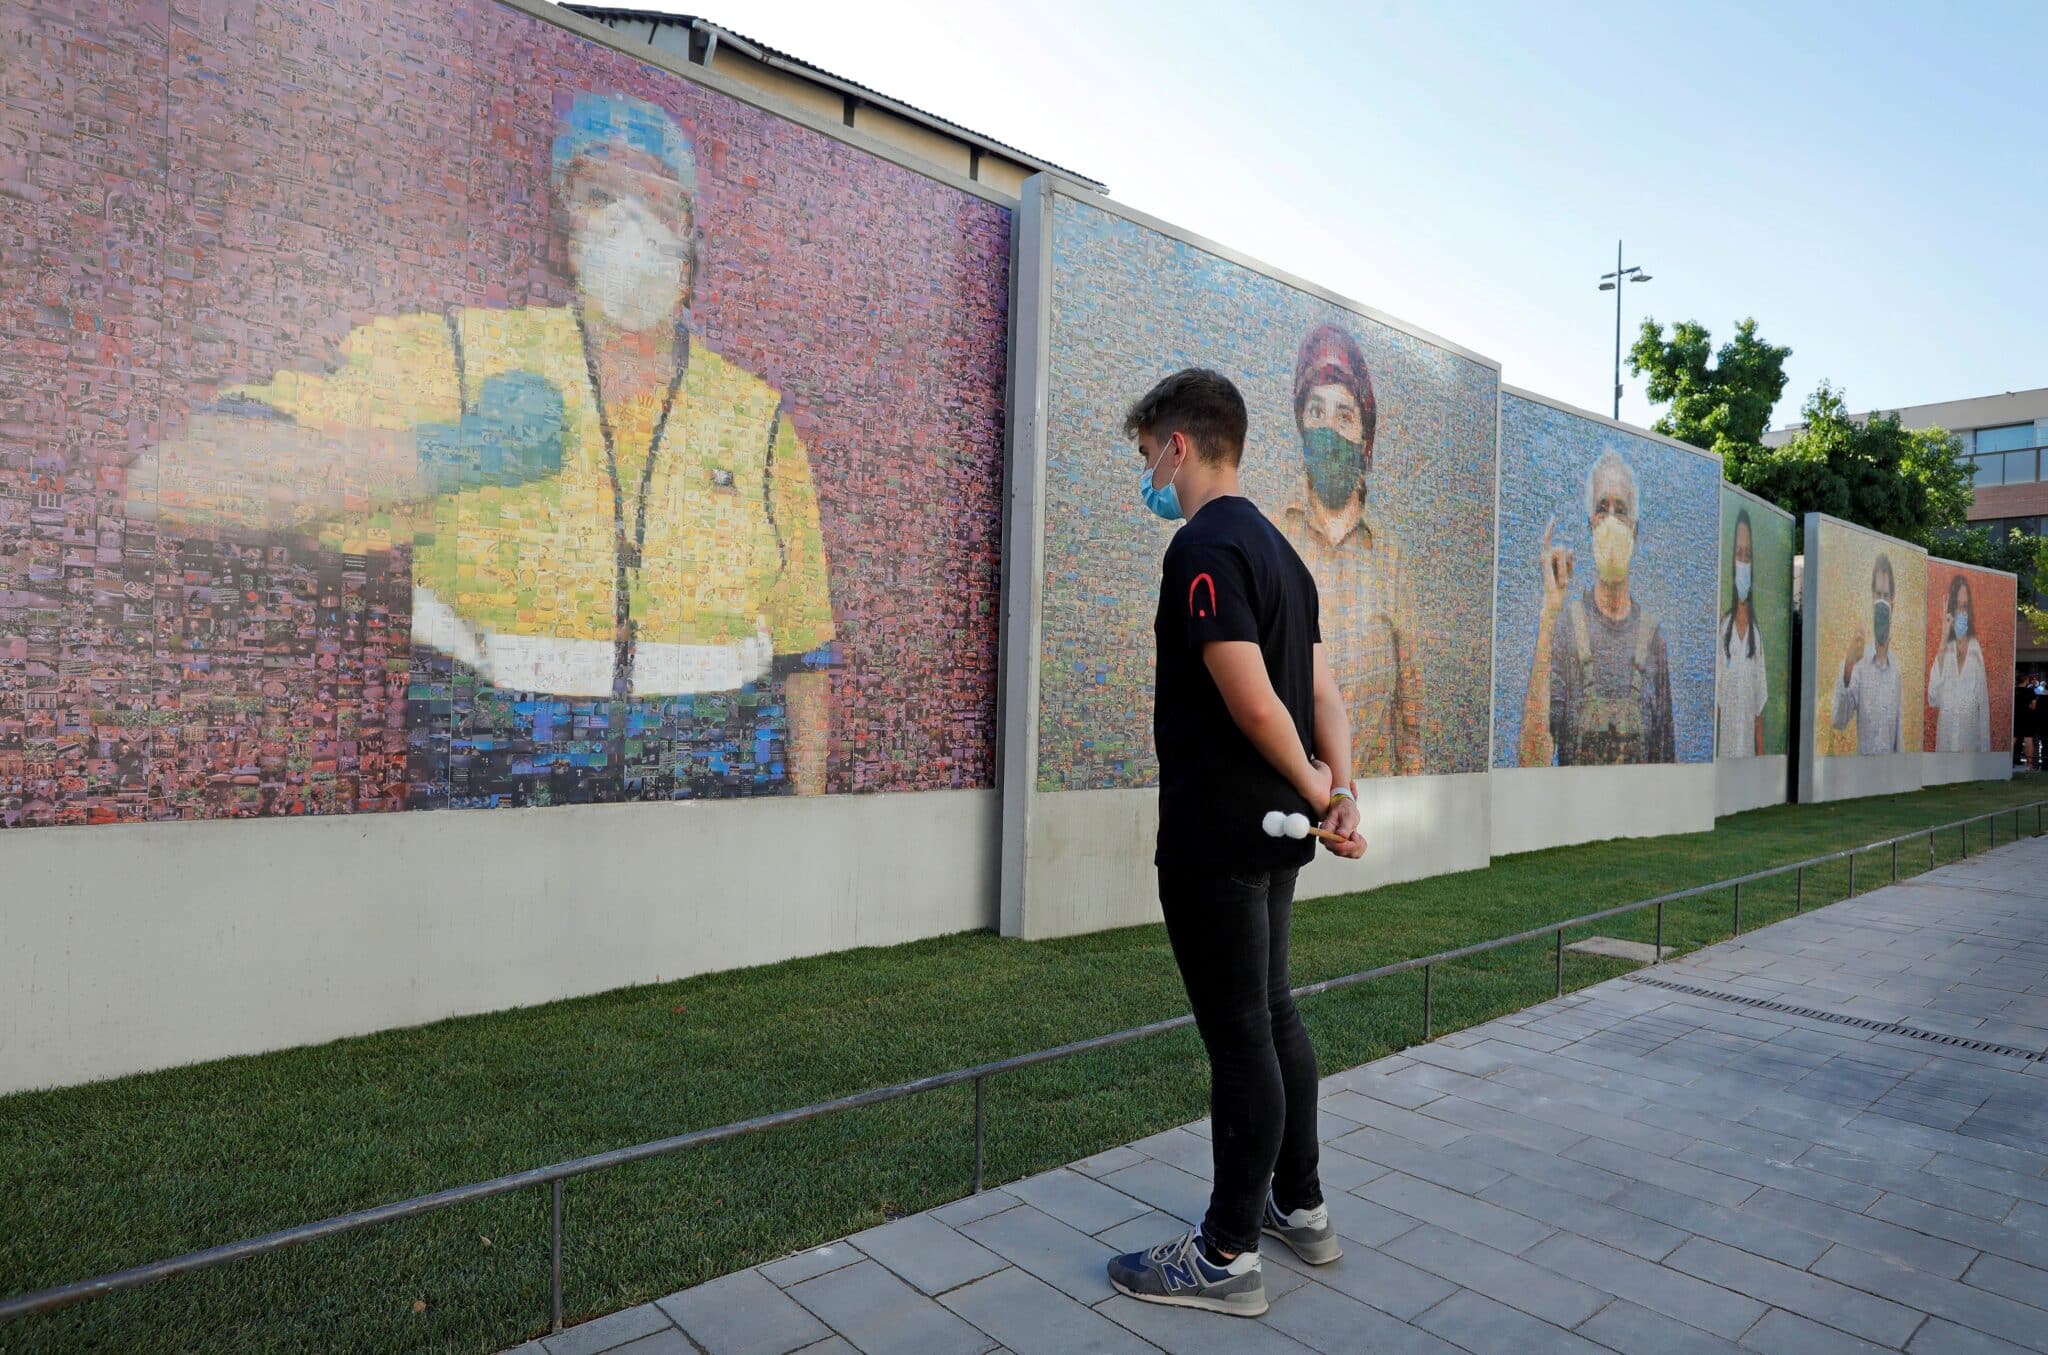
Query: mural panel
point(1605, 618)
point(1753, 639)
point(1870, 683)
point(418, 404)
point(1372, 449)
point(1971, 614)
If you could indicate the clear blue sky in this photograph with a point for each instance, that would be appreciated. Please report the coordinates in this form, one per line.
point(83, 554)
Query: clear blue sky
point(1866, 179)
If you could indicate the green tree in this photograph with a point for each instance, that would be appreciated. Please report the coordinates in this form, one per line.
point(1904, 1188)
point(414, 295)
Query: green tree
point(2017, 552)
point(1718, 400)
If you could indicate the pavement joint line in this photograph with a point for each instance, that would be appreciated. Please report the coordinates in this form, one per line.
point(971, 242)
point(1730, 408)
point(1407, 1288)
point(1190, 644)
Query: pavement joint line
point(1861, 1022)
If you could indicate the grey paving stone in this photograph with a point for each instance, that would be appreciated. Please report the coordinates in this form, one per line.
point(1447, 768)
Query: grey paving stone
point(1393, 1088)
point(1366, 1221)
point(1537, 1291)
point(1624, 1326)
point(1783, 1333)
point(1939, 1336)
point(1479, 1323)
point(1189, 1152)
point(2023, 1283)
point(977, 1206)
point(1325, 1320)
point(742, 1314)
point(1693, 1301)
point(1970, 1231)
point(1700, 1183)
point(604, 1333)
point(1814, 1182)
point(669, 1342)
point(1822, 1299)
point(1549, 1168)
point(1478, 1117)
point(1998, 1180)
point(1931, 1254)
point(1103, 1163)
point(1070, 1261)
point(1147, 1230)
point(1370, 1275)
point(831, 1345)
point(1966, 1305)
point(927, 1253)
point(1474, 1218)
point(881, 1315)
point(1189, 1331)
point(806, 1264)
point(1076, 1200)
point(1032, 1318)
point(1409, 1124)
point(1618, 1228)
point(1341, 1171)
point(1895, 1180)
point(1390, 1150)
point(1166, 1188)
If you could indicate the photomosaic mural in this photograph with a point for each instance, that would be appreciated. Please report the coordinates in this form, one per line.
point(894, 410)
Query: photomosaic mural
point(423, 405)
point(1371, 448)
point(1968, 642)
point(1606, 607)
point(1870, 675)
point(1753, 639)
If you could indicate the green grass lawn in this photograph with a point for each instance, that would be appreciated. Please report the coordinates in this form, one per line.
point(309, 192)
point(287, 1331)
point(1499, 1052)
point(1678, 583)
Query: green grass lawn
point(140, 1168)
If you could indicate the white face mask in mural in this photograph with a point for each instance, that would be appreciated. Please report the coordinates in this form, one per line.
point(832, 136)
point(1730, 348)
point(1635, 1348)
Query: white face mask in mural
point(1742, 579)
point(1613, 543)
point(629, 264)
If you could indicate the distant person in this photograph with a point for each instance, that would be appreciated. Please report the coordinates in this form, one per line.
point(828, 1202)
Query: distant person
point(1956, 687)
point(2033, 700)
point(1739, 724)
point(1600, 681)
point(1247, 719)
point(1868, 692)
point(1369, 630)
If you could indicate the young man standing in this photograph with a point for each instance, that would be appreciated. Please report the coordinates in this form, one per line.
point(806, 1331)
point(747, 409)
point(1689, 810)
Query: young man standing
point(1247, 720)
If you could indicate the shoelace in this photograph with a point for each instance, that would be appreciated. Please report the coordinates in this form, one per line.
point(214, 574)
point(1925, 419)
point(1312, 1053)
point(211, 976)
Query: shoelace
point(1171, 1251)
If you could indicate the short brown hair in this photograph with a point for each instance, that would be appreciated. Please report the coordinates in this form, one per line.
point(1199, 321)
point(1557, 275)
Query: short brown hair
point(1196, 402)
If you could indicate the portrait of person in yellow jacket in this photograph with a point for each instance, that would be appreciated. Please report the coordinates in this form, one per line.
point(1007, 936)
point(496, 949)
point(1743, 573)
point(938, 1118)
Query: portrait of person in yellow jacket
point(614, 533)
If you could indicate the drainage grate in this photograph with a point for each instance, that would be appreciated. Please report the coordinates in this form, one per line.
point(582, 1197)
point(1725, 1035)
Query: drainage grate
point(1861, 1022)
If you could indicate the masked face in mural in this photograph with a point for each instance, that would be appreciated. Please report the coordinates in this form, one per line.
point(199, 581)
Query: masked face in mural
point(1881, 589)
point(1333, 445)
point(1744, 562)
point(1614, 532)
point(630, 244)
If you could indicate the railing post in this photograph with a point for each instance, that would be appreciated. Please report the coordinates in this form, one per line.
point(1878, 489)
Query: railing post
point(1966, 839)
point(1852, 873)
point(1991, 820)
point(1799, 891)
point(1931, 862)
point(1560, 962)
point(1895, 860)
point(1428, 983)
point(1738, 910)
point(1658, 957)
point(980, 1121)
point(555, 1251)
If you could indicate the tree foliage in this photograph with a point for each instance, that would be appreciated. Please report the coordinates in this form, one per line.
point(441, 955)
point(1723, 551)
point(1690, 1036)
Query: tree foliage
point(1717, 400)
point(2016, 551)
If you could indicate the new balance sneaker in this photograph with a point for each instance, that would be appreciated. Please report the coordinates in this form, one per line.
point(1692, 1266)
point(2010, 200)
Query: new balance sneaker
point(1306, 1231)
point(1176, 1272)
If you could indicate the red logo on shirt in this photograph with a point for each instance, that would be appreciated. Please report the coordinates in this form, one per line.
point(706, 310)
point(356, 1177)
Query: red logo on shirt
point(1201, 580)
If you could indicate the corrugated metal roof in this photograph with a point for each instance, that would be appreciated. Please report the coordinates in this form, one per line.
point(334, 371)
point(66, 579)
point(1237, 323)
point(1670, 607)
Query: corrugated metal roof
point(696, 24)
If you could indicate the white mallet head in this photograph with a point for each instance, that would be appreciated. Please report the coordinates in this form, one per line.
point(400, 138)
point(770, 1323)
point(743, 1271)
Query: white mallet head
point(1275, 823)
point(1297, 825)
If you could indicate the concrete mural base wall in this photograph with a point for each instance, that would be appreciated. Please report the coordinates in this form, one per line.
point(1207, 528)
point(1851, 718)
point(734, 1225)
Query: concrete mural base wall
point(1537, 807)
point(214, 939)
point(1750, 783)
point(1091, 864)
point(1941, 769)
point(1849, 778)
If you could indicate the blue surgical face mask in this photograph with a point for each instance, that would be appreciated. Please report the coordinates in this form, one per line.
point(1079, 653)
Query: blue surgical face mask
point(1164, 502)
point(1962, 625)
point(1742, 579)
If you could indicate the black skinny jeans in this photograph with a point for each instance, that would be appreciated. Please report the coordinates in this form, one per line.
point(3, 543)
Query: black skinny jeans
point(1230, 935)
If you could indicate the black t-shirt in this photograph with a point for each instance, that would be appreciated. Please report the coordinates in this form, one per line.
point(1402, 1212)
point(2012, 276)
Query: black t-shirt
point(1229, 575)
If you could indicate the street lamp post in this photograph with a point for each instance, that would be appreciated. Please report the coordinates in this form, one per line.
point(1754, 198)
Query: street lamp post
point(1611, 282)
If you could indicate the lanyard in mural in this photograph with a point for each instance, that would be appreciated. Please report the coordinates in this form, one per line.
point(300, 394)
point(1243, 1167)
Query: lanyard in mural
point(626, 554)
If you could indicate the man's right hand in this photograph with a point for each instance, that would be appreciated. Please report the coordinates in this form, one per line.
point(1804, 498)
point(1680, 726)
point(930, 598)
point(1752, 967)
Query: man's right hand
point(1321, 781)
point(1854, 655)
point(1556, 564)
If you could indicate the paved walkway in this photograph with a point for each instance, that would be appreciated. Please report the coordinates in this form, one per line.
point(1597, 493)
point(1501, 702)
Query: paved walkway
point(1633, 1167)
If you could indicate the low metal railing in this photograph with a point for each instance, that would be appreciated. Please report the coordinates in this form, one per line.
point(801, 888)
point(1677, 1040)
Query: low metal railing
point(556, 1174)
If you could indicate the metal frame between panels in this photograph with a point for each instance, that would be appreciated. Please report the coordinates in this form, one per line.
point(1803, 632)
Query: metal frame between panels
point(556, 1175)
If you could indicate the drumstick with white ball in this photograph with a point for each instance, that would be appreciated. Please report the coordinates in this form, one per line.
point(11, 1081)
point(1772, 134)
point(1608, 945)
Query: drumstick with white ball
point(1278, 824)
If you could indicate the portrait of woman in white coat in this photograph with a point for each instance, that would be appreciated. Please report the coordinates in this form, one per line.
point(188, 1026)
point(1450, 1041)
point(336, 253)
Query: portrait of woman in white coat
point(1956, 691)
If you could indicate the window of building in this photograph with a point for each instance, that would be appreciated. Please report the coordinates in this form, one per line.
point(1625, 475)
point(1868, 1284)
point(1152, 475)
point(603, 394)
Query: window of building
point(2006, 456)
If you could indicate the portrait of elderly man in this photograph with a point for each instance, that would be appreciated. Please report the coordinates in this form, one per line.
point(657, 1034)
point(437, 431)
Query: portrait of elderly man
point(605, 515)
point(1867, 690)
point(1369, 622)
point(1600, 684)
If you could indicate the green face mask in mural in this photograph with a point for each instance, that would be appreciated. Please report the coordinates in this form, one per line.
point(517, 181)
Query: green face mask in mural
point(1336, 465)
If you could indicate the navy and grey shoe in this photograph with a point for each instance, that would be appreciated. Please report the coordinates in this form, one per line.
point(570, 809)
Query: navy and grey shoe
point(1176, 1272)
point(1306, 1231)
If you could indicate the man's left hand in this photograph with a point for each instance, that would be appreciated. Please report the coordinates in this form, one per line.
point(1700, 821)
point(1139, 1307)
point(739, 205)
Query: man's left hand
point(1342, 818)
